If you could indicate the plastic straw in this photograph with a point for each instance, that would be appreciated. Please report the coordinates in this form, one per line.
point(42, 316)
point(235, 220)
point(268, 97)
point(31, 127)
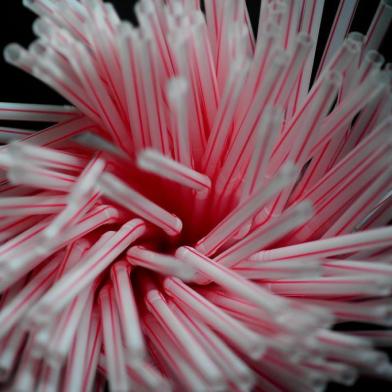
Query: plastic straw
point(243, 213)
point(154, 162)
point(125, 195)
point(31, 112)
point(84, 273)
point(379, 25)
point(164, 264)
point(232, 282)
point(173, 326)
point(117, 374)
point(234, 332)
point(126, 303)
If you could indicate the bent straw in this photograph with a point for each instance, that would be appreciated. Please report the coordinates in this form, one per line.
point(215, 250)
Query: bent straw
point(182, 336)
point(234, 369)
point(82, 274)
point(234, 332)
point(264, 235)
point(31, 112)
point(121, 193)
point(126, 303)
point(211, 270)
point(154, 162)
point(161, 263)
point(248, 209)
point(340, 245)
point(117, 374)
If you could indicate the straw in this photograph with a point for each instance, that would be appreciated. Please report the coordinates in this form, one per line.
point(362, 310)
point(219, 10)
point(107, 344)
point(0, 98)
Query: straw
point(179, 368)
point(45, 157)
point(220, 131)
point(8, 134)
point(244, 212)
point(379, 25)
point(82, 197)
point(368, 311)
point(10, 348)
point(126, 303)
point(340, 245)
point(79, 277)
point(332, 287)
point(246, 341)
point(33, 205)
point(137, 203)
point(117, 375)
point(234, 369)
point(270, 124)
point(164, 264)
point(339, 30)
point(177, 94)
point(282, 270)
point(15, 310)
point(31, 112)
point(264, 235)
point(93, 350)
point(232, 282)
point(154, 162)
point(180, 334)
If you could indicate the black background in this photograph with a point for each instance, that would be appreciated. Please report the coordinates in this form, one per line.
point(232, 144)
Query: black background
point(16, 86)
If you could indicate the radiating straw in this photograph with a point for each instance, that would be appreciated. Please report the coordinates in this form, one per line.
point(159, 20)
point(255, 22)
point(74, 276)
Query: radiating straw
point(243, 213)
point(154, 162)
point(159, 262)
point(340, 245)
point(117, 374)
point(237, 334)
point(123, 194)
point(128, 313)
point(184, 338)
point(32, 112)
point(211, 270)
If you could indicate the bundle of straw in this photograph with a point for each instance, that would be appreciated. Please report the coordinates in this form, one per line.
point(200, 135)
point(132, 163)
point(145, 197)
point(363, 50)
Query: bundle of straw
point(202, 214)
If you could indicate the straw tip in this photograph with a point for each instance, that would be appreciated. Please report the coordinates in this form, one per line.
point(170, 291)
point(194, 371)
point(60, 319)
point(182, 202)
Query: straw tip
point(12, 53)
